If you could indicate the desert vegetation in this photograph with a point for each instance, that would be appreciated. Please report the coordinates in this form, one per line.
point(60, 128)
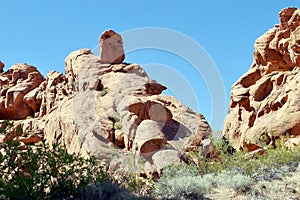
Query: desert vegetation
point(237, 175)
point(41, 171)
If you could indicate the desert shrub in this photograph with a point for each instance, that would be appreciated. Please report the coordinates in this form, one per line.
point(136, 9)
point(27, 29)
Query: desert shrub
point(235, 170)
point(114, 116)
point(180, 170)
point(275, 163)
point(129, 175)
point(272, 164)
point(142, 186)
point(231, 180)
point(182, 187)
point(102, 92)
point(118, 125)
point(36, 172)
point(187, 185)
point(104, 191)
point(239, 161)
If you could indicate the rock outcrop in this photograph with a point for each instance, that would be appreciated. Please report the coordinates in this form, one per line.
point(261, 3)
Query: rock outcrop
point(110, 111)
point(111, 47)
point(264, 103)
point(15, 87)
point(111, 108)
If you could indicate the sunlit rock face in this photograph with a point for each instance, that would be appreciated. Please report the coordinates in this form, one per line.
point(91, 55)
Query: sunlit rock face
point(16, 87)
point(102, 107)
point(264, 102)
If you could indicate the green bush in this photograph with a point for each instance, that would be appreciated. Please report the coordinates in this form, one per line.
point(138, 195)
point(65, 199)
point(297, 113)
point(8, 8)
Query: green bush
point(236, 171)
point(102, 92)
point(36, 172)
point(118, 125)
point(41, 171)
point(241, 162)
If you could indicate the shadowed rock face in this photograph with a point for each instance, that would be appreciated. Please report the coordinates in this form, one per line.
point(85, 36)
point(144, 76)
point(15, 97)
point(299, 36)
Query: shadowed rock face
point(104, 109)
point(264, 103)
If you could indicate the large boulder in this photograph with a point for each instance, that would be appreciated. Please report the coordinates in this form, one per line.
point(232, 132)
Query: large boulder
point(264, 103)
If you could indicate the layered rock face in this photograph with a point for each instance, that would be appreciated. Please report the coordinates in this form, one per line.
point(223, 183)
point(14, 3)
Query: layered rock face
point(110, 111)
point(264, 103)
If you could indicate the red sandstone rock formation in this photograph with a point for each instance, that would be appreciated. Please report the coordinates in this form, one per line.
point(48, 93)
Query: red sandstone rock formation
point(264, 103)
point(111, 47)
point(102, 109)
point(20, 80)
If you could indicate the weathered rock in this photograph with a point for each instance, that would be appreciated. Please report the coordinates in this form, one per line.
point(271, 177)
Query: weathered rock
point(33, 101)
point(264, 103)
point(149, 137)
point(108, 112)
point(105, 108)
point(52, 92)
point(165, 157)
point(32, 139)
point(28, 131)
point(153, 88)
point(1, 66)
point(209, 150)
point(14, 85)
point(150, 110)
point(291, 143)
point(111, 47)
point(77, 126)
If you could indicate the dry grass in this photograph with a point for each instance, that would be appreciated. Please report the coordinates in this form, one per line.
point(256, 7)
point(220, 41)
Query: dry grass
point(286, 187)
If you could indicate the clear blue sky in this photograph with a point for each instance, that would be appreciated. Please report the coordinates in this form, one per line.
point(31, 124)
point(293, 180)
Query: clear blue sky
point(43, 33)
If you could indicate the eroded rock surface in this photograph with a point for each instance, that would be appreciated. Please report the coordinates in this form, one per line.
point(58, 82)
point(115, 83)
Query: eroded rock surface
point(264, 103)
point(111, 47)
point(15, 84)
point(111, 109)
point(102, 107)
